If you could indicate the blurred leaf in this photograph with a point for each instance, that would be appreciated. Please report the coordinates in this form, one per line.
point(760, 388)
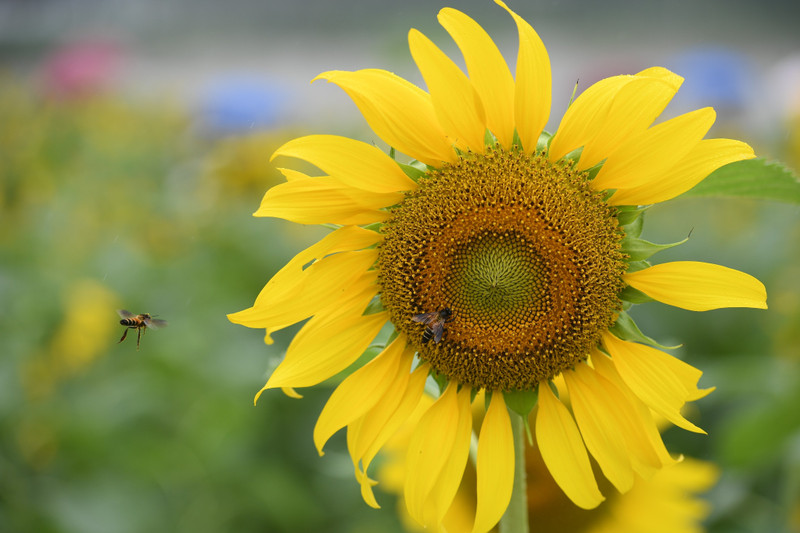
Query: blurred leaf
point(759, 435)
point(752, 178)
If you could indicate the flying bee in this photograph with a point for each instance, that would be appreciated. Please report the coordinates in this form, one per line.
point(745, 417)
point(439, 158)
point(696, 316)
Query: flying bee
point(138, 322)
point(434, 323)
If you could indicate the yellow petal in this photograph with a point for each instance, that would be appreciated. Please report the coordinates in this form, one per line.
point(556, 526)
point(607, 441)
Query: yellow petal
point(333, 280)
point(633, 109)
point(620, 410)
point(699, 286)
point(457, 105)
point(325, 200)
point(399, 112)
point(585, 116)
point(360, 391)
point(644, 371)
point(495, 465)
point(366, 483)
point(352, 162)
point(431, 443)
point(532, 95)
point(326, 351)
point(288, 391)
point(289, 282)
point(645, 157)
point(387, 416)
point(487, 70)
point(563, 451)
point(706, 157)
point(444, 491)
point(605, 367)
point(598, 426)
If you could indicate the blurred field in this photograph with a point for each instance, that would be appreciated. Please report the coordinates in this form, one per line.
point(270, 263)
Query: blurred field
point(115, 194)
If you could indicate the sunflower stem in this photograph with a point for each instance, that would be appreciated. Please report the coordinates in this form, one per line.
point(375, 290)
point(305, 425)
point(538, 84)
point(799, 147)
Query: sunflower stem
point(515, 519)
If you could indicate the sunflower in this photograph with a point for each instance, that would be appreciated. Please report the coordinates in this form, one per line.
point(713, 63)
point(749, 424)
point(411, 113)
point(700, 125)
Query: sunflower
point(502, 257)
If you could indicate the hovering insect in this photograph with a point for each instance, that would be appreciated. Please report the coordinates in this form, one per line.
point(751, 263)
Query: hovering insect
point(138, 322)
point(435, 322)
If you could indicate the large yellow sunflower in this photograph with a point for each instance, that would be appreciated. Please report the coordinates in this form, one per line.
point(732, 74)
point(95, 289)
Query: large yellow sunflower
point(503, 257)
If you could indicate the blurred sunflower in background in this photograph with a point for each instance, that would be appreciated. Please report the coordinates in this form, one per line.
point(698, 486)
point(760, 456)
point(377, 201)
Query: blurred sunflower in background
point(497, 258)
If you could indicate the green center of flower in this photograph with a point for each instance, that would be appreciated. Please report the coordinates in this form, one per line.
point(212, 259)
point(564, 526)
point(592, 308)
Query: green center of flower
point(521, 252)
point(495, 277)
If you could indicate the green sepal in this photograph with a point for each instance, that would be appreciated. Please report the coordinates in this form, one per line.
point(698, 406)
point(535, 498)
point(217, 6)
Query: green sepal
point(515, 140)
point(626, 329)
point(392, 336)
point(392, 152)
point(631, 219)
point(543, 143)
point(633, 296)
point(472, 394)
point(591, 172)
point(440, 379)
point(374, 306)
point(640, 249)
point(522, 402)
point(636, 266)
point(488, 138)
point(574, 92)
point(487, 399)
point(375, 226)
point(412, 171)
point(574, 155)
point(751, 178)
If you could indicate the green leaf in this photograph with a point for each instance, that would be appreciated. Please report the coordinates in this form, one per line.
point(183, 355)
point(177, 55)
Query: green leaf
point(626, 329)
point(752, 178)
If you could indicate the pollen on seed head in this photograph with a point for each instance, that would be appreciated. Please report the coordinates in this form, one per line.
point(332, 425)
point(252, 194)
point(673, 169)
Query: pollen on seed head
point(524, 254)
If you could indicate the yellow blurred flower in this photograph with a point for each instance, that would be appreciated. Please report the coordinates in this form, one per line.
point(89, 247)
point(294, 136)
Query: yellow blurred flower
point(84, 334)
point(503, 257)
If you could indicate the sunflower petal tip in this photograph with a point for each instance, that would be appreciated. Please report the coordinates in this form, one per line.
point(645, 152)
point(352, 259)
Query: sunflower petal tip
point(327, 75)
point(257, 396)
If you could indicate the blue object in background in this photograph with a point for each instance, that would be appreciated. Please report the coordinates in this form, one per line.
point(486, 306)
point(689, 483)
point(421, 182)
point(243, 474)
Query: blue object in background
point(718, 77)
point(240, 104)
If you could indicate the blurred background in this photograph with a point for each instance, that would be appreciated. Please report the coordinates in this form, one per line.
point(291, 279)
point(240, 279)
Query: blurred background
point(134, 145)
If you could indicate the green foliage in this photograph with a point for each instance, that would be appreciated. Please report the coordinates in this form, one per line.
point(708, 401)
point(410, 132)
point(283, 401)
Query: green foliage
point(752, 178)
point(105, 204)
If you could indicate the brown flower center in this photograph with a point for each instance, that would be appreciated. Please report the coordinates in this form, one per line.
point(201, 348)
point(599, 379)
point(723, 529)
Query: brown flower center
point(524, 255)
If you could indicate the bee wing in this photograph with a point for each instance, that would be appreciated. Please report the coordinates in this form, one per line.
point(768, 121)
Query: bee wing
point(125, 314)
point(438, 331)
point(155, 323)
point(425, 317)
